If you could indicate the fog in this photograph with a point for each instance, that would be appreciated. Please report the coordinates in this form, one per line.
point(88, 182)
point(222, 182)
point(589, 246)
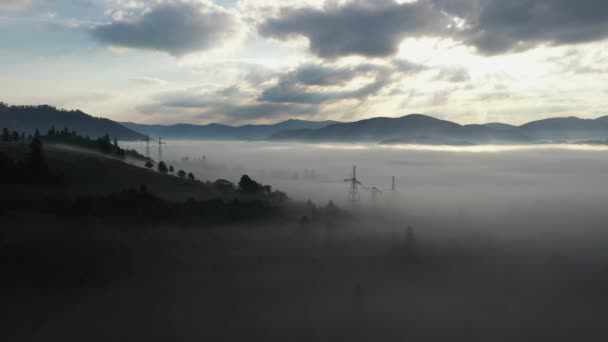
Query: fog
point(507, 243)
point(532, 190)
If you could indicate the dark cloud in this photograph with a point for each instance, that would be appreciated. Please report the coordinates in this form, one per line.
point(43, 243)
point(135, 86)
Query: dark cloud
point(294, 86)
point(376, 28)
point(179, 28)
point(498, 26)
point(306, 83)
point(366, 28)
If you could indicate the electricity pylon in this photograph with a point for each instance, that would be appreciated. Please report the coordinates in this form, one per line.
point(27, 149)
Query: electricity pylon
point(148, 146)
point(375, 192)
point(160, 149)
point(353, 195)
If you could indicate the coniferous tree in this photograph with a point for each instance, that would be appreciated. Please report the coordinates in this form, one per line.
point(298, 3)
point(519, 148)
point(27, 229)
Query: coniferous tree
point(191, 176)
point(36, 162)
point(162, 167)
point(5, 135)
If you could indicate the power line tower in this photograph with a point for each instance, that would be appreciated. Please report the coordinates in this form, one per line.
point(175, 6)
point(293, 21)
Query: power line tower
point(160, 149)
point(148, 146)
point(393, 187)
point(375, 192)
point(353, 195)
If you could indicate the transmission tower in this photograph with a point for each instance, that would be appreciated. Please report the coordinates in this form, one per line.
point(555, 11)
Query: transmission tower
point(393, 188)
point(375, 192)
point(353, 195)
point(160, 149)
point(147, 146)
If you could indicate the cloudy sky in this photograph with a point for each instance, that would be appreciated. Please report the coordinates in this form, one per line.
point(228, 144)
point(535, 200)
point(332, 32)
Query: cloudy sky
point(259, 61)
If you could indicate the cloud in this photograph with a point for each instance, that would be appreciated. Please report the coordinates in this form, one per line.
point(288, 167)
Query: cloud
point(365, 28)
point(178, 28)
point(376, 28)
point(454, 75)
point(317, 83)
point(229, 105)
point(498, 26)
point(15, 4)
point(306, 91)
point(149, 81)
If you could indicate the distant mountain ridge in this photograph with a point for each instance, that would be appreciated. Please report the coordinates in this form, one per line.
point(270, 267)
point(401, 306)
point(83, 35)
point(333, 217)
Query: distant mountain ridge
point(29, 118)
point(409, 129)
point(422, 129)
point(224, 132)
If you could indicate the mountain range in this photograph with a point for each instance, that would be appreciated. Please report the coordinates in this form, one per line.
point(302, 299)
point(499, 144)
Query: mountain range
point(422, 129)
point(409, 129)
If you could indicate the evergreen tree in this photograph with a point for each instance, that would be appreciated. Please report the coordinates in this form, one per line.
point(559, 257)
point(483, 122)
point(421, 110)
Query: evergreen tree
point(181, 174)
point(5, 135)
point(36, 162)
point(191, 176)
point(162, 167)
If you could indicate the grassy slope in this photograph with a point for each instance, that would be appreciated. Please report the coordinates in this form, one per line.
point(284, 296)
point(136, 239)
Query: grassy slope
point(89, 173)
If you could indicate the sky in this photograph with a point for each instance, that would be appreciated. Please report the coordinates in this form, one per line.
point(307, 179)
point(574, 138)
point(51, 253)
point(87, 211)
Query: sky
point(257, 61)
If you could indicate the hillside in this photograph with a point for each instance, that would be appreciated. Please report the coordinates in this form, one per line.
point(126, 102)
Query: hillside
point(89, 173)
point(223, 132)
point(29, 118)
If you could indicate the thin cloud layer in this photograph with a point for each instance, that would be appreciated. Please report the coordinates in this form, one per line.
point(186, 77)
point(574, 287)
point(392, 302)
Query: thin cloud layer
point(177, 27)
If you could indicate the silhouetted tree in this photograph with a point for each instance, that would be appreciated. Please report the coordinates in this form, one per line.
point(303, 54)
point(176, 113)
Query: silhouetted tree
point(248, 185)
point(104, 142)
point(191, 176)
point(171, 169)
point(37, 134)
point(331, 207)
point(181, 174)
point(36, 162)
point(162, 167)
point(5, 135)
point(149, 164)
point(52, 131)
point(15, 136)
